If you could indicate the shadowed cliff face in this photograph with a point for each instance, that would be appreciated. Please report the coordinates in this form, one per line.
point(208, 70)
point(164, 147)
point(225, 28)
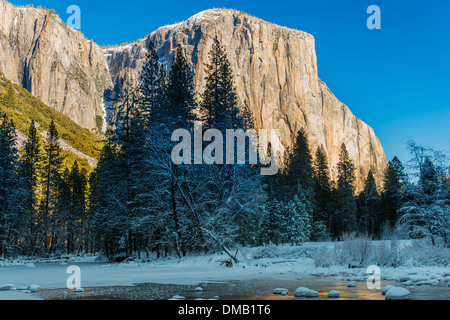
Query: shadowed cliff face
point(56, 64)
point(276, 76)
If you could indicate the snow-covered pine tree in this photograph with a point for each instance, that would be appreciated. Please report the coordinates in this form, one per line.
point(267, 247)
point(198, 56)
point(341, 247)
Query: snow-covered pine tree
point(426, 208)
point(107, 207)
point(286, 222)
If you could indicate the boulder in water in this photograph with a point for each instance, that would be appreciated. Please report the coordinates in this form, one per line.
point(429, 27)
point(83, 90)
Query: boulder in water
point(334, 294)
point(397, 293)
point(280, 291)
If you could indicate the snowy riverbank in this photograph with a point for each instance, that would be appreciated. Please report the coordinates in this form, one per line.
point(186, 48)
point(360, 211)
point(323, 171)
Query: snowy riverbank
point(274, 262)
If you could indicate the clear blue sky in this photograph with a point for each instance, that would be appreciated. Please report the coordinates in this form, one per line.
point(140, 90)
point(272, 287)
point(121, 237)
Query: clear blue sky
point(395, 79)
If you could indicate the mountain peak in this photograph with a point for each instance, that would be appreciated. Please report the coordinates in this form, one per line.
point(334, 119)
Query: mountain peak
point(214, 13)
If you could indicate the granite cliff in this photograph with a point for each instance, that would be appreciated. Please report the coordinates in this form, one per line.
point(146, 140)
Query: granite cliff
point(275, 74)
point(55, 63)
point(275, 70)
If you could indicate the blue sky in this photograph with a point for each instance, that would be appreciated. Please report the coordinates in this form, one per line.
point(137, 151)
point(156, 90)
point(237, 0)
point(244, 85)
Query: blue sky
point(396, 79)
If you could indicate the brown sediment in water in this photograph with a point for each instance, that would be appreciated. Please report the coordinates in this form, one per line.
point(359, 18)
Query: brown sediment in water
point(243, 290)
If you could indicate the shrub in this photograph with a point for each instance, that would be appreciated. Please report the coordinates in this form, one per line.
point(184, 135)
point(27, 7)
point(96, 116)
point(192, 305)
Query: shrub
point(387, 254)
point(324, 257)
point(357, 250)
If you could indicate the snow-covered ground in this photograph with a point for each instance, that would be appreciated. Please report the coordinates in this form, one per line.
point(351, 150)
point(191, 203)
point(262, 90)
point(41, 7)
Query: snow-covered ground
point(275, 262)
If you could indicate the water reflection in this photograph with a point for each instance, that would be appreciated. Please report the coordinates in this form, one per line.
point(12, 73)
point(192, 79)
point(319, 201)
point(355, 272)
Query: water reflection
point(322, 285)
point(249, 290)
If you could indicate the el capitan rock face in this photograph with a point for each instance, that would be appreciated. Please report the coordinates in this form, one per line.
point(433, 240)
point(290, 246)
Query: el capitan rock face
point(276, 76)
point(55, 63)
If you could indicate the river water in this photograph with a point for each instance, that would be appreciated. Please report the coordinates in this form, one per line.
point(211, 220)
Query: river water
point(245, 290)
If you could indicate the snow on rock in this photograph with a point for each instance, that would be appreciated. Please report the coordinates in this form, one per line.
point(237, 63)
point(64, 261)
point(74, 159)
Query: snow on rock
point(21, 288)
point(34, 288)
point(433, 282)
point(79, 290)
point(280, 291)
point(300, 292)
point(334, 294)
point(177, 298)
point(6, 287)
point(397, 293)
point(351, 285)
point(386, 289)
point(198, 289)
point(305, 292)
point(311, 294)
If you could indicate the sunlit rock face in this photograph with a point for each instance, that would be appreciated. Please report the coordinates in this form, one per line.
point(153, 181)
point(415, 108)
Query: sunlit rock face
point(55, 63)
point(276, 76)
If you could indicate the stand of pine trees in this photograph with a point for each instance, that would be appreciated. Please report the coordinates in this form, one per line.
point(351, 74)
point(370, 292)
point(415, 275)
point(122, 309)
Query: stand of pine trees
point(42, 204)
point(137, 201)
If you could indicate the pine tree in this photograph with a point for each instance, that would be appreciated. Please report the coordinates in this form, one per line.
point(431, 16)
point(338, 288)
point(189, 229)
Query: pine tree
point(324, 203)
point(322, 183)
point(10, 100)
point(286, 222)
point(300, 170)
point(394, 181)
point(425, 210)
point(136, 171)
point(345, 218)
point(428, 178)
point(31, 165)
point(179, 93)
point(106, 201)
point(63, 224)
point(219, 100)
point(151, 82)
point(51, 181)
point(368, 213)
point(271, 223)
point(76, 183)
point(11, 190)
